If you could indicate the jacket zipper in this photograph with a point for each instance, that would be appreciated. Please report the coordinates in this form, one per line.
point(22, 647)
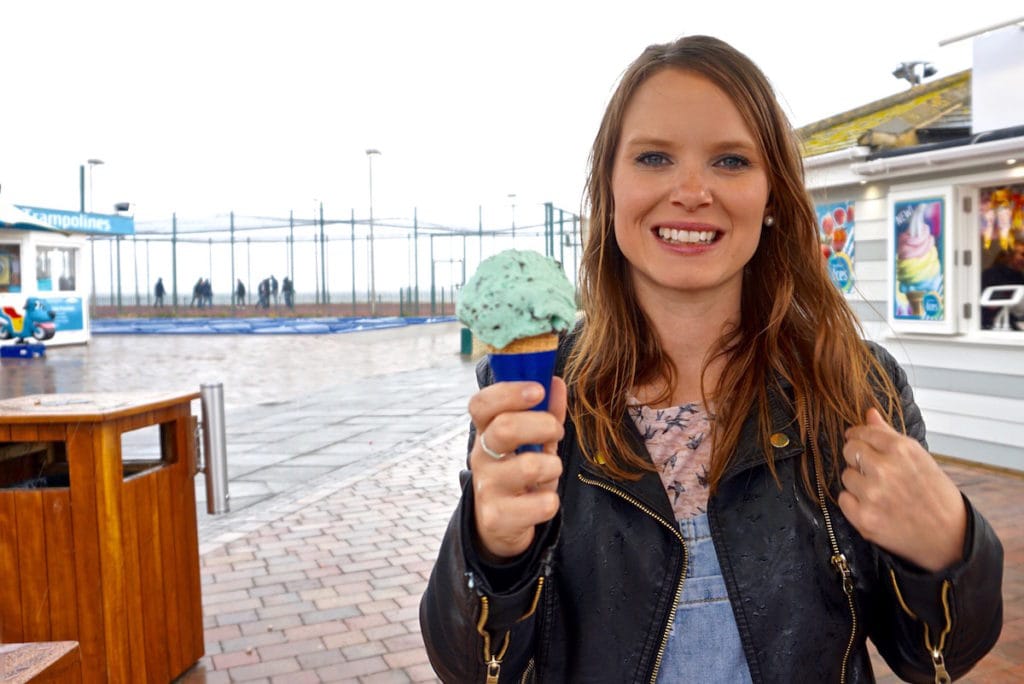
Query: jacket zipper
point(493, 660)
point(934, 650)
point(527, 673)
point(682, 577)
point(838, 560)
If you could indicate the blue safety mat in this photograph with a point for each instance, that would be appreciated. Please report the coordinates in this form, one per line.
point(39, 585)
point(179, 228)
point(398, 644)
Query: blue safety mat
point(253, 326)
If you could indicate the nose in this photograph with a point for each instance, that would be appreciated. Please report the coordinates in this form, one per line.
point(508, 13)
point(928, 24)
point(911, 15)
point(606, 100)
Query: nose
point(690, 190)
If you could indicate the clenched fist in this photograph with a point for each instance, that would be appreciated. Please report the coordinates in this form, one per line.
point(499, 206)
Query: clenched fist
point(516, 492)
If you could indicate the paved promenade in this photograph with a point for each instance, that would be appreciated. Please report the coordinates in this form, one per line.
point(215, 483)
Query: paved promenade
point(343, 455)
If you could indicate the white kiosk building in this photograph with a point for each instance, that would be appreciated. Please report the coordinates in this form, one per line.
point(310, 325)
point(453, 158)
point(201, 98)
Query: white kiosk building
point(917, 195)
point(45, 253)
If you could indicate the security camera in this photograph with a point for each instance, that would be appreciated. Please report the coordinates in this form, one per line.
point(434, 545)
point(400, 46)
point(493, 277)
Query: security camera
point(908, 71)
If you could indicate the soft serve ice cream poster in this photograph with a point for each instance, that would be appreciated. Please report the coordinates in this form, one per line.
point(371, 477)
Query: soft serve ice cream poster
point(920, 269)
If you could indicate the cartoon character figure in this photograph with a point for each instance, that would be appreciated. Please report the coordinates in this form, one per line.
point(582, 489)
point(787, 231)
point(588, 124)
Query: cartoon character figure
point(37, 322)
point(1002, 201)
point(987, 216)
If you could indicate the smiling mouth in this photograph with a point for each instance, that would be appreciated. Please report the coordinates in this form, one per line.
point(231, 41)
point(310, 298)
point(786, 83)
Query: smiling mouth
point(687, 237)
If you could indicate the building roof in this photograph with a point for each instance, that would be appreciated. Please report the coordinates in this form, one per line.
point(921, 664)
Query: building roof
point(937, 110)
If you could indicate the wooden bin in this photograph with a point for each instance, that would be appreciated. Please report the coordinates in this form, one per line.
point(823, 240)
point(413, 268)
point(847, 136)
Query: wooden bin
point(110, 559)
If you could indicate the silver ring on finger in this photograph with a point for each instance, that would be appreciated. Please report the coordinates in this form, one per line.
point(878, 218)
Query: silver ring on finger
point(489, 451)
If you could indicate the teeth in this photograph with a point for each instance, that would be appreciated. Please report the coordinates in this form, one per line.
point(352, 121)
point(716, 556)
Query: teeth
point(688, 236)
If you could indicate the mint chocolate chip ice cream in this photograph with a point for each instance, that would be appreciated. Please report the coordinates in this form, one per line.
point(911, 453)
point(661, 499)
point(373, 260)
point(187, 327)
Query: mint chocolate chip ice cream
point(514, 295)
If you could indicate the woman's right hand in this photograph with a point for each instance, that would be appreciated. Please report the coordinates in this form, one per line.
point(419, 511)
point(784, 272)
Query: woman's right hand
point(519, 491)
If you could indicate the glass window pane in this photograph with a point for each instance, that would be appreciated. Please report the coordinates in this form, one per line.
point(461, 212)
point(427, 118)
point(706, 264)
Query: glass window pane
point(10, 268)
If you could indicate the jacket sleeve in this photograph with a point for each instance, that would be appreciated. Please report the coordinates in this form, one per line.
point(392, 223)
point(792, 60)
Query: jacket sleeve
point(478, 619)
point(947, 620)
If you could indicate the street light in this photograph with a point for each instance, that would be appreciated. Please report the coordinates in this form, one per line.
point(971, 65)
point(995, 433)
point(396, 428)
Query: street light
point(512, 196)
point(92, 163)
point(81, 207)
point(373, 284)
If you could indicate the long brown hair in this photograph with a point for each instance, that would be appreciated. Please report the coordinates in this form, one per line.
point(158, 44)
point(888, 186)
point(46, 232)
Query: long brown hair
point(795, 327)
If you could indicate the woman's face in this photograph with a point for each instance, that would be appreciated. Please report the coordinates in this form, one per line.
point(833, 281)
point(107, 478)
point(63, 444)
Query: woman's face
point(690, 189)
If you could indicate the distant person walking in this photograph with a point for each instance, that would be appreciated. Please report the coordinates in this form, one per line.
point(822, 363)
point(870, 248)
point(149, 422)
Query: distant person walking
point(288, 290)
point(240, 293)
point(207, 292)
point(273, 288)
point(159, 291)
point(197, 294)
point(263, 294)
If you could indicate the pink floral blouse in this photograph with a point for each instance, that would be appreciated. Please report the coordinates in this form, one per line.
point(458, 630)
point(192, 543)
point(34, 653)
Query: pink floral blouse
point(679, 441)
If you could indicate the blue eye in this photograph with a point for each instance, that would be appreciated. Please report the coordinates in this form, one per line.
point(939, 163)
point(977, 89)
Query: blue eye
point(733, 162)
point(652, 159)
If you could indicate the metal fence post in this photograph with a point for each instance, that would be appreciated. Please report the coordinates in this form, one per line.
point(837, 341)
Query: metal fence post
point(215, 453)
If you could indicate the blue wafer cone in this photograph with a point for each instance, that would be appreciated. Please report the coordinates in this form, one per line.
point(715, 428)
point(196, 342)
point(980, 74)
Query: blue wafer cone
point(533, 366)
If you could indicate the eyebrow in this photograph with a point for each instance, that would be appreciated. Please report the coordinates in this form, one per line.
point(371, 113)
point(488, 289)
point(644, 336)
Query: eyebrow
point(722, 145)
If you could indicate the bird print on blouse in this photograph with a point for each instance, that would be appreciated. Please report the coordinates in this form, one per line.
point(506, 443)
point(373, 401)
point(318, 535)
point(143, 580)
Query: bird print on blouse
point(679, 442)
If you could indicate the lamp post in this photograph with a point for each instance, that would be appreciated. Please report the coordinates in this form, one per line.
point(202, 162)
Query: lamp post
point(512, 196)
point(92, 163)
point(81, 208)
point(373, 284)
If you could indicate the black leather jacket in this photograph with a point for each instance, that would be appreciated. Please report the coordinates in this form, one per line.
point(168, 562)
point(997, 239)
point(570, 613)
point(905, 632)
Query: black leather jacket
point(593, 598)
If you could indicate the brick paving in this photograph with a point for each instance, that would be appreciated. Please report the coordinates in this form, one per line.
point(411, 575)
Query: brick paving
point(329, 591)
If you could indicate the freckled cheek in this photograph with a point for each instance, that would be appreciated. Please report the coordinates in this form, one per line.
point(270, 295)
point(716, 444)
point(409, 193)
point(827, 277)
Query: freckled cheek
point(750, 206)
point(628, 225)
point(632, 203)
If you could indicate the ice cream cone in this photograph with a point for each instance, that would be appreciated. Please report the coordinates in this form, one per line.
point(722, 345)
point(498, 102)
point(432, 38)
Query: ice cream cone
point(536, 343)
point(916, 299)
point(517, 303)
point(531, 358)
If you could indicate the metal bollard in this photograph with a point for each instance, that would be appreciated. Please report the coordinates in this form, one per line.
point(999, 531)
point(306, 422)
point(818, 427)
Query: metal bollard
point(215, 451)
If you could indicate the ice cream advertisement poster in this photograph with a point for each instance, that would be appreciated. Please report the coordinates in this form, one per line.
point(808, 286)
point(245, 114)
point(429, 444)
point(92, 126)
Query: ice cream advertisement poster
point(919, 265)
point(1001, 215)
point(835, 232)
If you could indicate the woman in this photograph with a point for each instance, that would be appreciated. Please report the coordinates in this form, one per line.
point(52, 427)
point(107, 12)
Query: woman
point(722, 496)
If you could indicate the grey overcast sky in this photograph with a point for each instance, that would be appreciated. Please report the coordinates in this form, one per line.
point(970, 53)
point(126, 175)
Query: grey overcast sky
point(202, 107)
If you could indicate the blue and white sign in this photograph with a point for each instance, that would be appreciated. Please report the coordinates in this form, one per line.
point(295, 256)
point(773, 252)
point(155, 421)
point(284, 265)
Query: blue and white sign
point(77, 222)
point(69, 313)
point(841, 269)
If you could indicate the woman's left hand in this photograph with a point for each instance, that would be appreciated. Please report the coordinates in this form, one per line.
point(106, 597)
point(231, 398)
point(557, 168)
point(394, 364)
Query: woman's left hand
point(898, 497)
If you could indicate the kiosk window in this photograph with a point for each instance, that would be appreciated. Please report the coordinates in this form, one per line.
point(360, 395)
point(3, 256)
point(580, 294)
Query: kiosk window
point(55, 268)
point(1000, 216)
point(10, 268)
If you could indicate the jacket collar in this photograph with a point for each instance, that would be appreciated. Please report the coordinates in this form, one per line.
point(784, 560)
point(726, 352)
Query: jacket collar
point(648, 490)
point(784, 437)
